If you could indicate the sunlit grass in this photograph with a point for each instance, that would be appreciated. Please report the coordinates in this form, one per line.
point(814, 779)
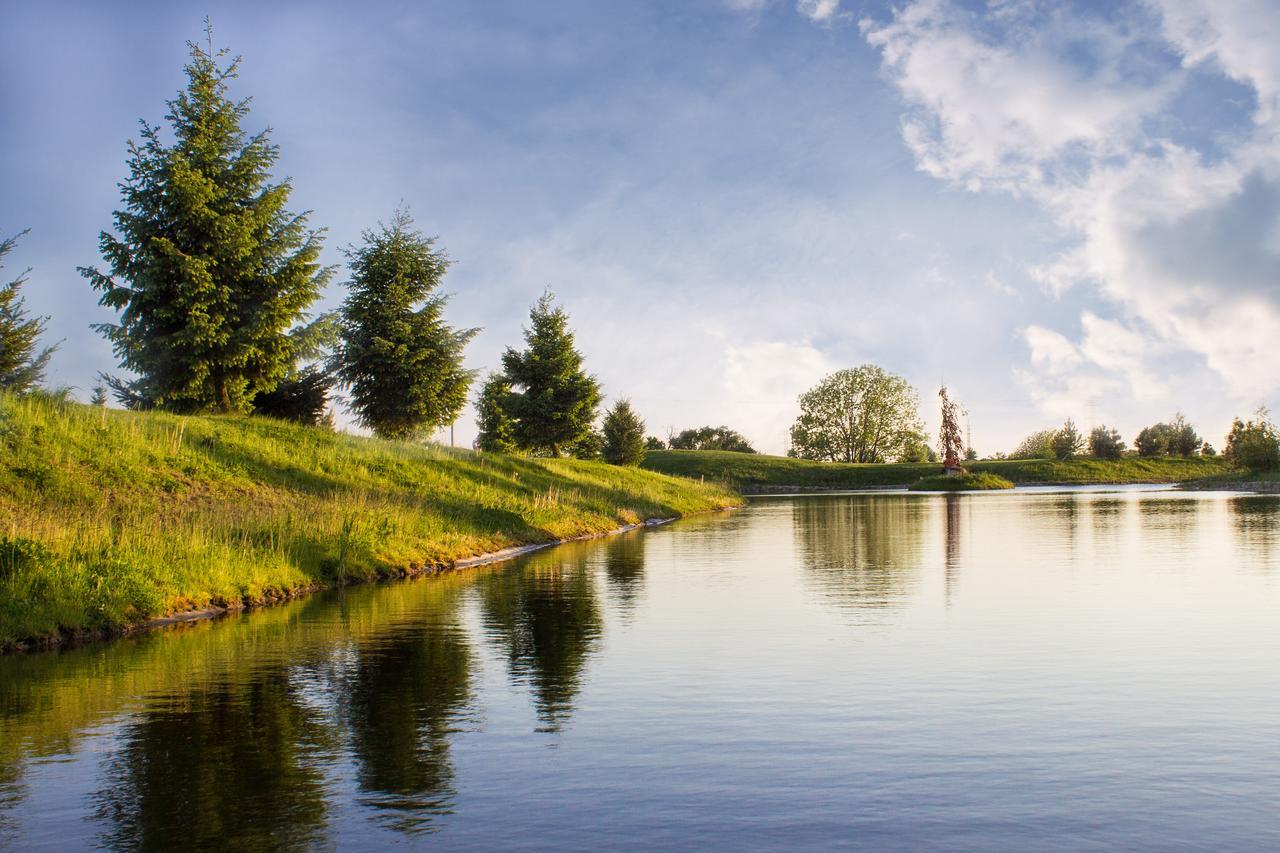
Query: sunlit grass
point(108, 518)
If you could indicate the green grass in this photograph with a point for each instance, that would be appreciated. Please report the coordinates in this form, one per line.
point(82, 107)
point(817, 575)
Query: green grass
point(969, 482)
point(109, 518)
point(755, 472)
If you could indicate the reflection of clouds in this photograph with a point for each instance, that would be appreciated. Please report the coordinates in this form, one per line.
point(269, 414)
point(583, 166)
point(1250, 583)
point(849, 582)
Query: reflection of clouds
point(862, 550)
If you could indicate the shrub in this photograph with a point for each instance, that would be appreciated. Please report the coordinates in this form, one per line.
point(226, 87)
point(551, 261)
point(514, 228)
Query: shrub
point(1254, 444)
point(1035, 446)
point(1105, 443)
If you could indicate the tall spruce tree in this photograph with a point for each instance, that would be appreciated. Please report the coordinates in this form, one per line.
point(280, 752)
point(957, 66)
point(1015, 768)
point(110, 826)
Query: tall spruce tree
point(623, 435)
point(497, 430)
point(207, 267)
point(22, 365)
point(553, 400)
point(399, 361)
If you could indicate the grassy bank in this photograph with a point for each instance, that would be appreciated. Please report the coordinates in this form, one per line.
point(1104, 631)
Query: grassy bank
point(110, 518)
point(756, 471)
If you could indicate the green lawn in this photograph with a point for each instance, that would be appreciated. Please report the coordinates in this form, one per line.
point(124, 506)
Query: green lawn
point(756, 471)
point(109, 518)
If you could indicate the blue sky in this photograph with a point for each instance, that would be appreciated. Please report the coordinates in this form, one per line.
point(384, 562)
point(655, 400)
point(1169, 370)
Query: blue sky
point(1057, 209)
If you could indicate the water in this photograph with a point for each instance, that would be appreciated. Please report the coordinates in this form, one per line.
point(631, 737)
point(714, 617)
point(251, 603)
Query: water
point(1083, 670)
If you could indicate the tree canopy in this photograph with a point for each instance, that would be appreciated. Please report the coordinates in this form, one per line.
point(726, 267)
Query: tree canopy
point(399, 361)
point(207, 266)
point(22, 362)
point(711, 438)
point(552, 402)
point(864, 414)
point(496, 429)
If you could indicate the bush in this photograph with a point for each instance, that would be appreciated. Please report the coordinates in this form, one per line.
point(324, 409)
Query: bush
point(1066, 442)
point(1254, 444)
point(1105, 443)
point(710, 438)
point(1177, 438)
point(1035, 446)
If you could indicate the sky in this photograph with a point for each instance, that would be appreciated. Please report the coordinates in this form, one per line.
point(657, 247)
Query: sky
point(1057, 209)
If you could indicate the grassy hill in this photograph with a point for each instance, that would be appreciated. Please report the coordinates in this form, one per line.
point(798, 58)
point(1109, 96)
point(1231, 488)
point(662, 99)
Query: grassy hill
point(110, 518)
point(754, 472)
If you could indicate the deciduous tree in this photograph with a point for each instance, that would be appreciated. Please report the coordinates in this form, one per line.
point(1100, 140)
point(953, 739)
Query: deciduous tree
point(711, 438)
point(860, 415)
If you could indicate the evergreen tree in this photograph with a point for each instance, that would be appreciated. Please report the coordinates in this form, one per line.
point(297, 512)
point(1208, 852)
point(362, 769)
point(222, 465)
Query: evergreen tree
point(1066, 442)
point(21, 365)
point(99, 397)
point(553, 401)
point(207, 267)
point(398, 359)
point(302, 395)
point(623, 435)
point(497, 430)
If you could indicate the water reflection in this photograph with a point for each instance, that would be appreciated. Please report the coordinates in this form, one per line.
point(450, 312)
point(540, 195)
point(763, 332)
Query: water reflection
point(1256, 520)
point(862, 550)
point(624, 569)
point(404, 698)
point(232, 764)
point(546, 618)
point(951, 563)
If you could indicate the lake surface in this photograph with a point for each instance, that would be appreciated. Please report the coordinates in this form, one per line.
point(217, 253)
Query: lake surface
point(1080, 670)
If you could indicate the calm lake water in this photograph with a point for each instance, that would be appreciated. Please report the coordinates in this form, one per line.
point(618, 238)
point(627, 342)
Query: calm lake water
point(1082, 670)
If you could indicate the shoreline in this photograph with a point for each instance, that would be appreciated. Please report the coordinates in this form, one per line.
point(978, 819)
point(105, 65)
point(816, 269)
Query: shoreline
point(1261, 487)
point(74, 639)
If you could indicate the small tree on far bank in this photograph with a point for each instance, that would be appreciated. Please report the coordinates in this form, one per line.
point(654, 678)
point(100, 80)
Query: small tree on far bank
point(399, 361)
point(1176, 438)
point(623, 435)
point(1066, 442)
point(553, 401)
point(497, 430)
point(711, 438)
point(654, 443)
point(1105, 443)
point(22, 364)
point(1038, 445)
point(1254, 444)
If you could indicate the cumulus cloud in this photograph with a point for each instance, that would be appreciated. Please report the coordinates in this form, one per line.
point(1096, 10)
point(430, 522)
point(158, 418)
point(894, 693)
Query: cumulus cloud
point(1177, 227)
point(818, 11)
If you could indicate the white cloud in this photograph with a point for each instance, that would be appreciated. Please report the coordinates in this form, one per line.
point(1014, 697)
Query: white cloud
point(1181, 237)
point(818, 11)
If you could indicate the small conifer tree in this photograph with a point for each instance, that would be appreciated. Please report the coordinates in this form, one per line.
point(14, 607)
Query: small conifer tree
point(398, 359)
point(22, 365)
point(623, 430)
point(497, 430)
point(99, 397)
point(553, 400)
point(207, 267)
point(1066, 442)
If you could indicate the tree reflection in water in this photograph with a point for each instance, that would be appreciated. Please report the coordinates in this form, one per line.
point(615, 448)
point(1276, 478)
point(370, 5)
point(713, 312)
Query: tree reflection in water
point(624, 569)
point(404, 698)
point(546, 617)
point(229, 766)
point(862, 551)
point(1256, 520)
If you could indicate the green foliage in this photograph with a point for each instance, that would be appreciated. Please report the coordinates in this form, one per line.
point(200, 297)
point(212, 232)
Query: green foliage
point(399, 361)
point(969, 482)
point(99, 397)
point(1038, 445)
point(762, 472)
point(113, 516)
point(1105, 443)
point(710, 438)
point(860, 415)
point(553, 401)
point(300, 397)
point(970, 455)
point(497, 430)
point(21, 365)
point(1254, 444)
point(589, 446)
point(1177, 438)
point(207, 267)
point(1067, 442)
point(916, 449)
point(654, 443)
point(623, 435)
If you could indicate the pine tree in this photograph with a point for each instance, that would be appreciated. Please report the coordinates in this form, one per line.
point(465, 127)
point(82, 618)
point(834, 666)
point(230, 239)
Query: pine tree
point(400, 362)
point(497, 430)
point(553, 401)
point(302, 396)
point(207, 267)
point(21, 365)
point(623, 435)
point(99, 397)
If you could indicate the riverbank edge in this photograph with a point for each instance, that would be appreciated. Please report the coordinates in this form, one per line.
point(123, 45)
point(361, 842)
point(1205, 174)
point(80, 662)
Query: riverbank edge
point(72, 639)
point(1254, 486)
